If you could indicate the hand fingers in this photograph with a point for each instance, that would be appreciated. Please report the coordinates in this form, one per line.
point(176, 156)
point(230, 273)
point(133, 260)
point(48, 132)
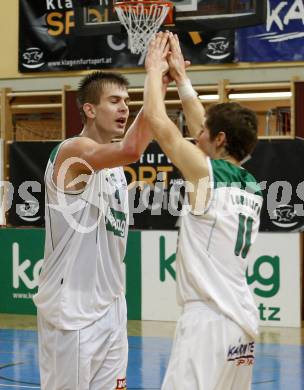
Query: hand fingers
point(174, 43)
point(162, 40)
point(166, 49)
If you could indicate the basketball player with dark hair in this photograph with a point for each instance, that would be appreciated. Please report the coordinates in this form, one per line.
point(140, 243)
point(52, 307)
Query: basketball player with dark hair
point(214, 340)
point(81, 305)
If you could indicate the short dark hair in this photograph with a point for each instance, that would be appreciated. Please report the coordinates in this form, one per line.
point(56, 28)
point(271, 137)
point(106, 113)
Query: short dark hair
point(238, 123)
point(91, 87)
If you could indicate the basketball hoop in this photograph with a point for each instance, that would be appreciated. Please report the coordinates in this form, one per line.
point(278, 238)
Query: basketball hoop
point(142, 19)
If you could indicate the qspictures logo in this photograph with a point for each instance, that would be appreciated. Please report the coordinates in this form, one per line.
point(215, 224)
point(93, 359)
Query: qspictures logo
point(32, 58)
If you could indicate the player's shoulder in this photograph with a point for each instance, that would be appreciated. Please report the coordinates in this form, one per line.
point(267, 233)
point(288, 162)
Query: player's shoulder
point(75, 146)
point(227, 174)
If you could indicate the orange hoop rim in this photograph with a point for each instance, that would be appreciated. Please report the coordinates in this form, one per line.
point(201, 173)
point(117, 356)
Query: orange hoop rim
point(145, 3)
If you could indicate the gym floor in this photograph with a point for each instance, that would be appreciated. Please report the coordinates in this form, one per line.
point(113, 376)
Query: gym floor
point(279, 355)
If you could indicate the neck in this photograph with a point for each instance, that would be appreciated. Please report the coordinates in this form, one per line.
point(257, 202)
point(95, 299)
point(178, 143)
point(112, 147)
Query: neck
point(227, 157)
point(92, 133)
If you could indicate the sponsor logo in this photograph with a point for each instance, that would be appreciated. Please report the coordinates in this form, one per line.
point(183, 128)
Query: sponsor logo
point(28, 210)
point(116, 222)
point(241, 354)
point(21, 270)
point(218, 48)
point(121, 384)
point(32, 58)
point(280, 15)
point(285, 216)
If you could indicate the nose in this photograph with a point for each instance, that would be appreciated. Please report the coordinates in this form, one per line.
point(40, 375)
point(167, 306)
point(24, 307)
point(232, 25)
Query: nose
point(123, 106)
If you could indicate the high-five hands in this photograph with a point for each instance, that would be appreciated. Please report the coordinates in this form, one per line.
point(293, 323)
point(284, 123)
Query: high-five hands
point(156, 59)
point(175, 58)
point(165, 55)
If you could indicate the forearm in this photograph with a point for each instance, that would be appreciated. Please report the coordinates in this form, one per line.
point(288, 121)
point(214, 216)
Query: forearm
point(138, 135)
point(193, 109)
point(154, 105)
point(194, 113)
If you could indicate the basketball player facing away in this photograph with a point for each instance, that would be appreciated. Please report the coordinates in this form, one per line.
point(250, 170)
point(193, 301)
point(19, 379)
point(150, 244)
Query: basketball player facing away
point(80, 300)
point(214, 341)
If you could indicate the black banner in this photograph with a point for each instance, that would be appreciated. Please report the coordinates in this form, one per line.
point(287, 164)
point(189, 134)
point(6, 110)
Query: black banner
point(48, 42)
point(153, 177)
point(278, 166)
point(27, 161)
point(157, 190)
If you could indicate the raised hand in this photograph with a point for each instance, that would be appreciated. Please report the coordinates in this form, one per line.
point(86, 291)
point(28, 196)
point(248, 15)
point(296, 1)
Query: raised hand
point(177, 64)
point(156, 59)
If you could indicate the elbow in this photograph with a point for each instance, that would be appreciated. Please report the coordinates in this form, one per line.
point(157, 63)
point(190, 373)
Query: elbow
point(132, 154)
point(154, 118)
point(157, 123)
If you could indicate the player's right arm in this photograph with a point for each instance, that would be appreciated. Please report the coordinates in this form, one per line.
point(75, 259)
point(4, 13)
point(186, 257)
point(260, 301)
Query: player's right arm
point(193, 109)
point(82, 155)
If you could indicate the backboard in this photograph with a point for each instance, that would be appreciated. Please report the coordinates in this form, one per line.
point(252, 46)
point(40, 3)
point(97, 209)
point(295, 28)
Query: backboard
point(95, 17)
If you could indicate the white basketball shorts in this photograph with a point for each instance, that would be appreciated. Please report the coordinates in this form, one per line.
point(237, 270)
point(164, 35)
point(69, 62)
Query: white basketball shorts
point(93, 358)
point(210, 352)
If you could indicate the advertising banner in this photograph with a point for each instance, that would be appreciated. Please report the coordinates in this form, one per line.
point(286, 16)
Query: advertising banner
point(277, 167)
point(158, 254)
point(157, 191)
point(25, 191)
point(279, 39)
point(21, 261)
point(155, 183)
point(2, 192)
point(22, 253)
point(273, 276)
point(48, 42)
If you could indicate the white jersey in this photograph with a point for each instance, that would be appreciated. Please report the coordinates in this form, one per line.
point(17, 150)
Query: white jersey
point(86, 234)
point(214, 247)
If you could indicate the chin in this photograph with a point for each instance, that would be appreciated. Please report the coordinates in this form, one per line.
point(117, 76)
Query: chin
point(119, 132)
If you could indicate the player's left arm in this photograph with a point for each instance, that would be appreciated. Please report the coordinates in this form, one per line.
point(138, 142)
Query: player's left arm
point(193, 108)
point(187, 157)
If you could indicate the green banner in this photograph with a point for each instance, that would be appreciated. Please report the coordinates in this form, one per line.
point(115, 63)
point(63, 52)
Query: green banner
point(133, 275)
point(21, 261)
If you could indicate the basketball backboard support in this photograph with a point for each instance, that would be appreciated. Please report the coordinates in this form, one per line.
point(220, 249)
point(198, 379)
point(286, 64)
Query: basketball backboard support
point(95, 17)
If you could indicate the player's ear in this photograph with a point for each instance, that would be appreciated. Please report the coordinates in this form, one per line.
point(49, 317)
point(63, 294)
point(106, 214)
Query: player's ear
point(221, 139)
point(89, 110)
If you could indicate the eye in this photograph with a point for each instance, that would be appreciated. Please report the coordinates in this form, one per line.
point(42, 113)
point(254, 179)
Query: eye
point(114, 100)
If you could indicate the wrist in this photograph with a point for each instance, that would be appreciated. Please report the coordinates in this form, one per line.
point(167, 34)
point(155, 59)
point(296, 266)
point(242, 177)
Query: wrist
point(185, 90)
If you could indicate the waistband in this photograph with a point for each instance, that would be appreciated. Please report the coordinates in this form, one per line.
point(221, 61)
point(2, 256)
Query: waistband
point(202, 306)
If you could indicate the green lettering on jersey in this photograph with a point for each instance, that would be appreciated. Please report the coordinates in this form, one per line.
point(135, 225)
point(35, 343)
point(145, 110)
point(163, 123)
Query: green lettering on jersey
point(243, 241)
point(116, 222)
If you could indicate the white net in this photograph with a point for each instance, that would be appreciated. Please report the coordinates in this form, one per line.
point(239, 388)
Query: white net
point(141, 21)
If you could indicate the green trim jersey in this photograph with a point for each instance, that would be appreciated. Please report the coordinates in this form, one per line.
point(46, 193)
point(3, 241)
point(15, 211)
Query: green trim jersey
point(85, 243)
point(214, 247)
